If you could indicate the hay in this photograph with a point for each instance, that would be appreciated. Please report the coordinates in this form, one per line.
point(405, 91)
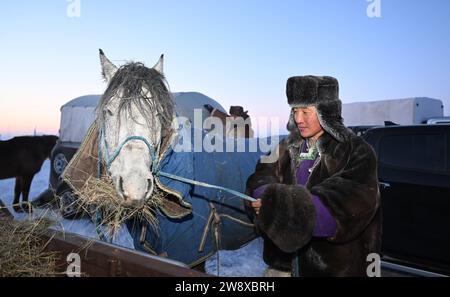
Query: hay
point(101, 195)
point(22, 250)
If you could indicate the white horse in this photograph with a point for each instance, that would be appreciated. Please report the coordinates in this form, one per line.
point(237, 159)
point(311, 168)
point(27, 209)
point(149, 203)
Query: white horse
point(134, 112)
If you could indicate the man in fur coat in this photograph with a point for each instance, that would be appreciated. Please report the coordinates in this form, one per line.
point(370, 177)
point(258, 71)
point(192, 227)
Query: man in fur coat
point(318, 205)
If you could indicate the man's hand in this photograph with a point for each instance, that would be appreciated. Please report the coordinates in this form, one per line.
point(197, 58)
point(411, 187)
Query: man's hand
point(256, 205)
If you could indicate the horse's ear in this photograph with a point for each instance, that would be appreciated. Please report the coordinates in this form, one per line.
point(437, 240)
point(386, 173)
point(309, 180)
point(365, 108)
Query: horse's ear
point(108, 68)
point(159, 65)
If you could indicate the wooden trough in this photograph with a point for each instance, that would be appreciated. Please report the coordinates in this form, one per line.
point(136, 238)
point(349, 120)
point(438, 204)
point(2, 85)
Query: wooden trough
point(103, 259)
point(99, 259)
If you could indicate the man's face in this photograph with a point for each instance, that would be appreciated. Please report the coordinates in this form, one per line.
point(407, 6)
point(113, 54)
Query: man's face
point(308, 122)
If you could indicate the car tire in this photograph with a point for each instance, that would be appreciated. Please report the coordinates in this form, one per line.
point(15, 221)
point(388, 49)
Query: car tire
point(60, 157)
point(59, 160)
point(58, 163)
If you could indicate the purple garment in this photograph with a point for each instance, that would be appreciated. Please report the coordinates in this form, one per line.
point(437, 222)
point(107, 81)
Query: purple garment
point(325, 223)
point(257, 193)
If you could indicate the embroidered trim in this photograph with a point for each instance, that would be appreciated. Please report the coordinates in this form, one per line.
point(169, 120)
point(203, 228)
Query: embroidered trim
point(311, 154)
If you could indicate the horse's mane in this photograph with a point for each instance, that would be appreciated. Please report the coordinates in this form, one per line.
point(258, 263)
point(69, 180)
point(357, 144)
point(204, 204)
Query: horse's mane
point(130, 79)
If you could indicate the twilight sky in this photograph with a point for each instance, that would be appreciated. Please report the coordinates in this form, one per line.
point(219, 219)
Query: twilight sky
point(237, 52)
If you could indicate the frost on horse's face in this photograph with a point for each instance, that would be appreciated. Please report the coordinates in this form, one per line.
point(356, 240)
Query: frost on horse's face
point(129, 138)
point(131, 169)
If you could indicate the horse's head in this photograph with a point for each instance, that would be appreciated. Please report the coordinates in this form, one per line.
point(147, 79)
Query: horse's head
point(132, 115)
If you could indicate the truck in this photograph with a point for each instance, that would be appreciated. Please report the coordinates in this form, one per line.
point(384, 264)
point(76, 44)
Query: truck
point(408, 111)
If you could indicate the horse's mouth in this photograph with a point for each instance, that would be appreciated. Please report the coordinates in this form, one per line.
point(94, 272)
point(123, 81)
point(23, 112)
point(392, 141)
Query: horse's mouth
point(133, 203)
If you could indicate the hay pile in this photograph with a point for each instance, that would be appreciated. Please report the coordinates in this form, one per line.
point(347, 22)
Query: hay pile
point(22, 250)
point(100, 195)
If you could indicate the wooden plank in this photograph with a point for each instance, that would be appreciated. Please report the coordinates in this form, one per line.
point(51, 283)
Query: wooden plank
point(102, 259)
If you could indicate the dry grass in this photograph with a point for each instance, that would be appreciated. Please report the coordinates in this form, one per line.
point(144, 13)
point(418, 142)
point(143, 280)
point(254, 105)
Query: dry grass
point(100, 195)
point(22, 250)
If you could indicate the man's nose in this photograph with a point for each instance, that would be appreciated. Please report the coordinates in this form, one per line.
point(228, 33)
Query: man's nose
point(298, 118)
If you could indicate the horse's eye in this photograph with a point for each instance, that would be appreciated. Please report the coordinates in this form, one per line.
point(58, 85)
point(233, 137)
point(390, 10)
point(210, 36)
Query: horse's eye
point(109, 112)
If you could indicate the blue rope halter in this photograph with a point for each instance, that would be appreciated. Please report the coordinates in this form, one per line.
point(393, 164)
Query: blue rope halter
point(109, 159)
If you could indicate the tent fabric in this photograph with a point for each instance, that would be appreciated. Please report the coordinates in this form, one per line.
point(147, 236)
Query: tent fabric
point(77, 116)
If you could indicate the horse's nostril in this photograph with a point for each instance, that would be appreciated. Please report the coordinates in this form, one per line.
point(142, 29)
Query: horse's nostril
point(124, 194)
point(121, 184)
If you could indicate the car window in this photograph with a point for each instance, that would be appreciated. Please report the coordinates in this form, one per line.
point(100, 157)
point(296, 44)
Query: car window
point(414, 151)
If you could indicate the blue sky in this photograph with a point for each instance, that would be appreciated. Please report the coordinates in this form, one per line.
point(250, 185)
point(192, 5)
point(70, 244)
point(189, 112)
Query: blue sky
point(237, 52)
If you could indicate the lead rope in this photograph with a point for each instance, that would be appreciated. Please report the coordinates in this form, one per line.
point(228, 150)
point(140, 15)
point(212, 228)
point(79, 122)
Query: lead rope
point(206, 185)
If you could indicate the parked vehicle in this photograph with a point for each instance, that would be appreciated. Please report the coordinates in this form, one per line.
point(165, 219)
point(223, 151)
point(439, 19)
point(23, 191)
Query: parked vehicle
point(408, 111)
point(361, 130)
point(414, 175)
point(441, 120)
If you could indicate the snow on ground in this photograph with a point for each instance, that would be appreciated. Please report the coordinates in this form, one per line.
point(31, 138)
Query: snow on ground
point(246, 261)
